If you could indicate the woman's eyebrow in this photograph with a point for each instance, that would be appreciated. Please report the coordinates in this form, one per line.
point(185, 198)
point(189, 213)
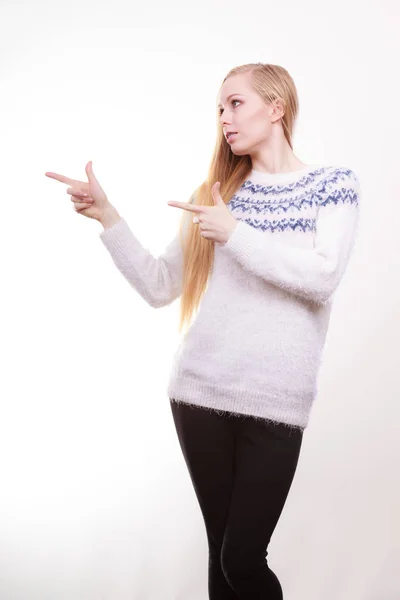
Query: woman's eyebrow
point(230, 96)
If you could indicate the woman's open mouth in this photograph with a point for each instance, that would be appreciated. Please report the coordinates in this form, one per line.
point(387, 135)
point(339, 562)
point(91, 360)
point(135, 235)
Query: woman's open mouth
point(230, 137)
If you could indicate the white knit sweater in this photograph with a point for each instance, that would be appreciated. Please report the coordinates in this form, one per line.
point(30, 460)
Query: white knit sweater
point(256, 343)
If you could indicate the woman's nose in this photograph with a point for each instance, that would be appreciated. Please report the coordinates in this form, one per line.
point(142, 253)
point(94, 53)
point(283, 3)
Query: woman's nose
point(224, 120)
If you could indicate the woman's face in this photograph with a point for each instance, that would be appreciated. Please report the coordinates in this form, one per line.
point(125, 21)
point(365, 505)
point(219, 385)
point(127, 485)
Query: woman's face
point(242, 110)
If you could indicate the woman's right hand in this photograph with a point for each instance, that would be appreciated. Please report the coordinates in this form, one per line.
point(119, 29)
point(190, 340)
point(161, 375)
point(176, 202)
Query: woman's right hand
point(88, 197)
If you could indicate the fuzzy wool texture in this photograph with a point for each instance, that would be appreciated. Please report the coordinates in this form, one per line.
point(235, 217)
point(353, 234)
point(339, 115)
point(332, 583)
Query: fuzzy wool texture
point(255, 345)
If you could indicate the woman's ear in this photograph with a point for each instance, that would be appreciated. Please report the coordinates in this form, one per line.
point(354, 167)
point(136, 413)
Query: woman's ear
point(278, 109)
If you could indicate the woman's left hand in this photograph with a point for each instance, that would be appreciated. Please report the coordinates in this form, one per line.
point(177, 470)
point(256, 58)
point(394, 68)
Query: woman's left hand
point(216, 222)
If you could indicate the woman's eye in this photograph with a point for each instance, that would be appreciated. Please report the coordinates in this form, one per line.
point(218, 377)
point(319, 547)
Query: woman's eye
point(220, 110)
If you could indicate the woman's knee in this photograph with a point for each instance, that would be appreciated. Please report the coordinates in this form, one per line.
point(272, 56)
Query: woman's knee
point(235, 563)
point(249, 572)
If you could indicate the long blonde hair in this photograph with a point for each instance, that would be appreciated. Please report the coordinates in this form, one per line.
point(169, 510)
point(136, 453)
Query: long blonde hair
point(271, 82)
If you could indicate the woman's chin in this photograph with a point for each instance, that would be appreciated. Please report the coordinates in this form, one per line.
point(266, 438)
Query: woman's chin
point(238, 151)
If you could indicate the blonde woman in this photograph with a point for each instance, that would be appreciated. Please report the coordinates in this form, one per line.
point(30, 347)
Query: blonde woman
point(262, 246)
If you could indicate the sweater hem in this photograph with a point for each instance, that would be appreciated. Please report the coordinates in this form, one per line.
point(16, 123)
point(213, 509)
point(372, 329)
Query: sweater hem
point(259, 405)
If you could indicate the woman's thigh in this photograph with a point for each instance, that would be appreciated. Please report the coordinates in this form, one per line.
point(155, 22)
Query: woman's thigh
point(266, 460)
point(208, 445)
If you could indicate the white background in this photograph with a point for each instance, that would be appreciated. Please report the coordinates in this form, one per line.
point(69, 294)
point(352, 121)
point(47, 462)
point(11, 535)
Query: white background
point(96, 502)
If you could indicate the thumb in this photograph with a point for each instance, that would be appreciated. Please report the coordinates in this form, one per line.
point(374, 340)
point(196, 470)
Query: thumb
point(216, 193)
point(89, 172)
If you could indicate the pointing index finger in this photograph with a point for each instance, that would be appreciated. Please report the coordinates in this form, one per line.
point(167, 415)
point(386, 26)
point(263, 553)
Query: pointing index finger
point(187, 206)
point(63, 179)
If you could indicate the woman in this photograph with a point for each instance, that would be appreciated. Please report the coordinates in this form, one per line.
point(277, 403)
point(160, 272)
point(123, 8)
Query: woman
point(263, 245)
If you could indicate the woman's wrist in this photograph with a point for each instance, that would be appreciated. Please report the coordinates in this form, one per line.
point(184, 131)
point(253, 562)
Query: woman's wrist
point(109, 217)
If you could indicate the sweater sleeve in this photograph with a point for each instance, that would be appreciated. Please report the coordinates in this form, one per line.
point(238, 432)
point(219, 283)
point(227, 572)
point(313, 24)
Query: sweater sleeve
point(157, 280)
point(312, 274)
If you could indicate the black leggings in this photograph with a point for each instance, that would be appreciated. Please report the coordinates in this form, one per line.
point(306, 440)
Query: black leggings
point(241, 469)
